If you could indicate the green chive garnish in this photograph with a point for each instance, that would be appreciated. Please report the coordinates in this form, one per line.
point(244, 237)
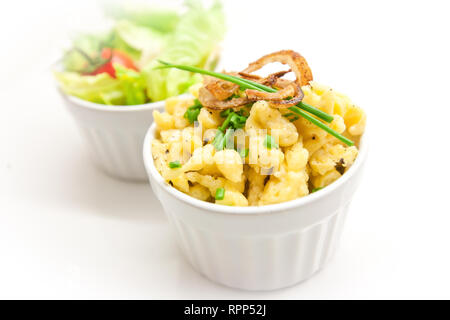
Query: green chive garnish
point(220, 194)
point(225, 113)
point(237, 121)
point(243, 152)
point(316, 189)
point(221, 139)
point(291, 116)
point(233, 121)
point(218, 140)
point(193, 111)
point(269, 142)
point(300, 108)
point(225, 124)
point(323, 126)
point(174, 164)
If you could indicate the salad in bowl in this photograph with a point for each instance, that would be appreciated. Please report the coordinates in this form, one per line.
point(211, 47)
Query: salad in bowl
point(117, 67)
point(111, 87)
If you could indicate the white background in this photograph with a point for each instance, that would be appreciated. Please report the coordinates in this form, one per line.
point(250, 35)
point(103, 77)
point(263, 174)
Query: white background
point(68, 231)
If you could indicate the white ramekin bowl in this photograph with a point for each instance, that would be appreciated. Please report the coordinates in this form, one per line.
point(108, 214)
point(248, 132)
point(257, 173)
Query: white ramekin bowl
point(258, 248)
point(114, 134)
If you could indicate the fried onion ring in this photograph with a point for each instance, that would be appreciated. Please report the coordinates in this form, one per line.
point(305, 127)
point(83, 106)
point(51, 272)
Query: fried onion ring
point(278, 98)
point(273, 78)
point(220, 89)
point(270, 80)
point(219, 94)
point(248, 76)
point(297, 63)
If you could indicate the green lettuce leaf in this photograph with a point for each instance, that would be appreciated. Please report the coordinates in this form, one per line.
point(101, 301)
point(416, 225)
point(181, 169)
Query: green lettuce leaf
point(192, 43)
point(86, 50)
point(148, 42)
point(146, 35)
point(100, 88)
point(132, 84)
point(159, 19)
point(127, 89)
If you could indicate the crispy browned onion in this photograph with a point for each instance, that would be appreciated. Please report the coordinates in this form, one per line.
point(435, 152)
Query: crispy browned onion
point(270, 80)
point(273, 78)
point(216, 93)
point(297, 63)
point(208, 100)
point(221, 89)
point(277, 99)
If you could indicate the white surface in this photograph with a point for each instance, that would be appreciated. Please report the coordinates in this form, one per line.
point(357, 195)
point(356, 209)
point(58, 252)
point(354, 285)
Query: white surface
point(69, 231)
point(258, 248)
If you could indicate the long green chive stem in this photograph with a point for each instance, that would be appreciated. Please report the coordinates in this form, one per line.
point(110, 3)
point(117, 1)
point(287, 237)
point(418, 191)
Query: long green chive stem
point(218, 75)
point(224, 125)
point(247, 84)
point(322, 126)
point(317, 112)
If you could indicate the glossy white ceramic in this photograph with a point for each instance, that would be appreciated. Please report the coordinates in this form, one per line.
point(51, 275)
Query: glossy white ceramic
point(114, 134)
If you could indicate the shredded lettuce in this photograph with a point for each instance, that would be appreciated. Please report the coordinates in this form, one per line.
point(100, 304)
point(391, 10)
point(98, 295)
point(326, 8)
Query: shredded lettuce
point(159, 19)
point(100, 88)
point(194, 40)
point(147, 41)
point(127, 89)
point(132, 84)
point(145, 35)
point(87, 47)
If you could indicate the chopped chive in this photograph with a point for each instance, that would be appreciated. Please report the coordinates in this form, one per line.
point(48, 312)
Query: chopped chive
point(225, 113)
point(237, 121)
point(226, 138)
point(193, 111)
point(233, 121)
point(291, 116)
point(221, 139)
point(243, 153)
point(244, 111)
point(316, 189)
point(218, 140)
point(220, 194)
point(269, 142)
point(225, 124)
point(192, 115)
point(174, 164)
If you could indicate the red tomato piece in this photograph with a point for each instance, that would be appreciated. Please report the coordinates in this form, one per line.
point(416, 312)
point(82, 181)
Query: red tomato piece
point(114, 56)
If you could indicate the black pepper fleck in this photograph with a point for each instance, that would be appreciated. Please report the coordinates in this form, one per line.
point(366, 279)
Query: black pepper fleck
point(340, 166)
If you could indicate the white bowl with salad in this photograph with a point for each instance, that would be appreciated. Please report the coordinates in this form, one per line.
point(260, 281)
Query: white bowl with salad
point(109, 83)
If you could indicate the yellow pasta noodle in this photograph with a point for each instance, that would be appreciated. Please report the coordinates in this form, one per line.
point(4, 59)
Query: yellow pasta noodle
point(273, 157)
